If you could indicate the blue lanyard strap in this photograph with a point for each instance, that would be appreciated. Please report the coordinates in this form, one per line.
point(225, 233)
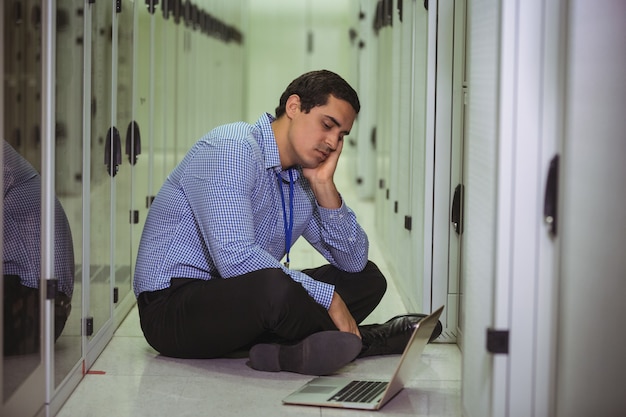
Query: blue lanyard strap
point(288, 226)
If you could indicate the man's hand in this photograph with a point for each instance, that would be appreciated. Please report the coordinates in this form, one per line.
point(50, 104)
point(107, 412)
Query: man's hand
point(321, 180)
point(325, 171)
point(341, 316)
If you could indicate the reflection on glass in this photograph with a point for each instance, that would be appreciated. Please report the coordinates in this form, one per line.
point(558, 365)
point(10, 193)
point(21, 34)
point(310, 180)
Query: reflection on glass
point(129, 131)
point(100, 182)
point(69, 165)
point(21, 255)
point(21, 127)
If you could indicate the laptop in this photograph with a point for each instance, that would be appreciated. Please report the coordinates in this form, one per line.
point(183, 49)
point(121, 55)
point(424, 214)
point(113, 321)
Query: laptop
point(366, 394)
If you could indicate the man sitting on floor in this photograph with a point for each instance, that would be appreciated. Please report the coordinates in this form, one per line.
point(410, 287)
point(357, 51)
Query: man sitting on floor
point(208, 276)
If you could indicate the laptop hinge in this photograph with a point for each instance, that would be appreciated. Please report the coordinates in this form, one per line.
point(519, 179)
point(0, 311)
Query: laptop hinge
point(498, 341)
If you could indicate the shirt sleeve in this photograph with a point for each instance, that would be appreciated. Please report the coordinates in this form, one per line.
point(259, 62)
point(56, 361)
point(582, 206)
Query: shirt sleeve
point(321, 292)
point(336, 234)
point(218, 184)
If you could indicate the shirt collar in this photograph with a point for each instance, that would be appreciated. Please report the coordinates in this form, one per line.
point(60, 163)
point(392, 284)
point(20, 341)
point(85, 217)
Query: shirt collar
point(270, 148)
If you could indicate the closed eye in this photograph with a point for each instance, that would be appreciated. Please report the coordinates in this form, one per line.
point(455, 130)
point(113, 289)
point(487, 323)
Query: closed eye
point(334, 121)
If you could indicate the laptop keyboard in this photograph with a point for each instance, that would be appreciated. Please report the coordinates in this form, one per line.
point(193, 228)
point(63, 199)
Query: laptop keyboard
point(359, 392)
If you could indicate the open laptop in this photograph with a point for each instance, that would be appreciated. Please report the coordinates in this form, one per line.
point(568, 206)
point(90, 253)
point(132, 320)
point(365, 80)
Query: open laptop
point(368, 394)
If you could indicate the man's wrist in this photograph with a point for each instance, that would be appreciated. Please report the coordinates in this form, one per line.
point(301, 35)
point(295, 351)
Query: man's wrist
point(327, 195)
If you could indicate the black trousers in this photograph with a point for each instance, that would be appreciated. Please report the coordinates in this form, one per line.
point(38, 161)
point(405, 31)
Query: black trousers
point(21, 316)
point(195, 318)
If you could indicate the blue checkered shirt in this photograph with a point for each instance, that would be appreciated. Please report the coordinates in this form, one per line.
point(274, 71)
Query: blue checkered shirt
point(220, 214)
point(21, 220)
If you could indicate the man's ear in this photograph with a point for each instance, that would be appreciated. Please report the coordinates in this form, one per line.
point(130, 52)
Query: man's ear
point(293, 105)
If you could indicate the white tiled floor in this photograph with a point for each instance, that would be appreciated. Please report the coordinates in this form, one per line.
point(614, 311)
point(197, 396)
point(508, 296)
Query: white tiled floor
point(136, 381)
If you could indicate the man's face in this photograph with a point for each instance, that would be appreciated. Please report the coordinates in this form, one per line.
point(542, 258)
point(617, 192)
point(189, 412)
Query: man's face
point(314, 135)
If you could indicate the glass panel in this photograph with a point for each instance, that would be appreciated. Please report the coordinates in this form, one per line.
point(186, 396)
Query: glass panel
point(168, 153)
point(104, 141)
point(21, 268)
point(149, 69)
point(131, 136)
point(383, 133)
point(161, 88)
point(21, 210)
point(68, 184)
point(143, 102)
point(182, 115)
point(418, 149)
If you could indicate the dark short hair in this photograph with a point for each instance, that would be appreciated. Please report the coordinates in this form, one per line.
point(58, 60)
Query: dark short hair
point(314, 87)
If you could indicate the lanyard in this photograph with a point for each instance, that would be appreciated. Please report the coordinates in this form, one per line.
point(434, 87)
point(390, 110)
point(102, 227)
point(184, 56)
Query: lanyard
point(288, 226)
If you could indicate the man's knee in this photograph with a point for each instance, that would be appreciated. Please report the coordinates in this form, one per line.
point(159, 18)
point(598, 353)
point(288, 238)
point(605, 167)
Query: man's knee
point(279, 289)
point(376, 280)
point(283, 300)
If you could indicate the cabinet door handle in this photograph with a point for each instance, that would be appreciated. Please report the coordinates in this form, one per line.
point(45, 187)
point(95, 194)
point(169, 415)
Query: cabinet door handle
point(113, 151)
point(551, 199)
point(133, 142)
point(456, 215)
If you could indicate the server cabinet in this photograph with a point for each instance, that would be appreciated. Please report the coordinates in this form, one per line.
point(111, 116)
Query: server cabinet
point(73, 112)
point(383, 21)
point(32, 55)
point(480, 207)
point(446, 154)
point(22, 41)
point(15, 25)
point(592, 225)
point(103, 149)
point(523, 317)
point(153, 67)
point(69, 94)
point(420, 52)
point(130, 128)
point(183, 130)
point(105, 157)
point(145, 72)
point(113, 143)
point(68, 176)
point(421, 108)
point(366, 142)
point(25, 334)
point(399, 140)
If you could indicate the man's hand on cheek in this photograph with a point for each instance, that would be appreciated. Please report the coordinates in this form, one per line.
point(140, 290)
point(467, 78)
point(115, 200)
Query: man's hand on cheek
point(325, 171)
